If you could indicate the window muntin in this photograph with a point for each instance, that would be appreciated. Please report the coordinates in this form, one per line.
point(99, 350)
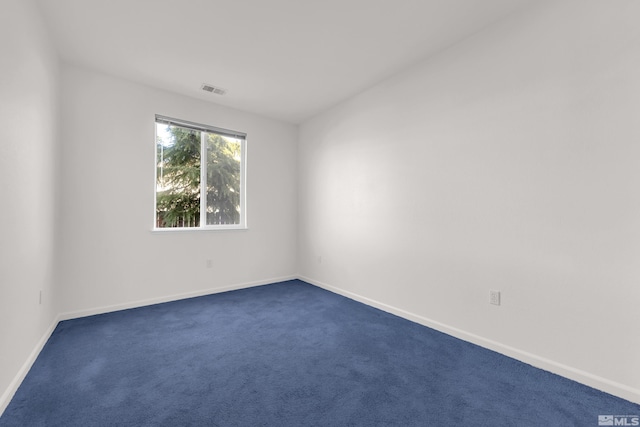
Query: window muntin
point(195, 194)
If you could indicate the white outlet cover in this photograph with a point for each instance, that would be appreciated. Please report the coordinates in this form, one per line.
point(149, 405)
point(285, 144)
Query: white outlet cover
point(494, 297)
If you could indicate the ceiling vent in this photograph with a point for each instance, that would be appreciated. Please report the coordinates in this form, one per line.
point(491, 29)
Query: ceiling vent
point(210, 88)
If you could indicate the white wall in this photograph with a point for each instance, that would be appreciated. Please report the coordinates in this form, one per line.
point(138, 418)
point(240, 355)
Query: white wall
point(28, 188)
point(109, 256)
point(507, 162)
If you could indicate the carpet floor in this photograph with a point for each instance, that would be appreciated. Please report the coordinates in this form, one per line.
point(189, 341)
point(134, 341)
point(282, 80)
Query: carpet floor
point(286, 354)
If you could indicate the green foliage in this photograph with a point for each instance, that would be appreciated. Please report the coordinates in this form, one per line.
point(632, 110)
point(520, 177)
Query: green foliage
point(223, 180)
point(178, 193)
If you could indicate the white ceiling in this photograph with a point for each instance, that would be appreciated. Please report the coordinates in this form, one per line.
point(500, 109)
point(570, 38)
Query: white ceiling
point(285, 59)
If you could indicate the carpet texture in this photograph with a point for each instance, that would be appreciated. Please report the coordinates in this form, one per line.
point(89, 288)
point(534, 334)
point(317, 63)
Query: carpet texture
point(287, 354)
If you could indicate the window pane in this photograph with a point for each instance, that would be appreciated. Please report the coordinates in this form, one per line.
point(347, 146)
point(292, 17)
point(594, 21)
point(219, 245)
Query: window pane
point(178, 176)
point(223, 179)
point(199, 176)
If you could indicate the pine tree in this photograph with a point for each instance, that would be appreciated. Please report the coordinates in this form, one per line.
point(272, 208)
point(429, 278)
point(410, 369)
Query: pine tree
point(179, 164)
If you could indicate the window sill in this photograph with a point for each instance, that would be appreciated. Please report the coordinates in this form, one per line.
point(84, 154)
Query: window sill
point(196, 229)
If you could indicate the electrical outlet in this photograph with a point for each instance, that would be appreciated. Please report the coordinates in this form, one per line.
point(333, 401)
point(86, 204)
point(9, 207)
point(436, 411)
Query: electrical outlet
point(209, 263)
point(40, 297)
point(494, 297)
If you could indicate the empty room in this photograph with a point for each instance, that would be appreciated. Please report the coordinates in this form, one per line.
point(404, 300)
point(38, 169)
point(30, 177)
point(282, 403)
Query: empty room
point(319, 213)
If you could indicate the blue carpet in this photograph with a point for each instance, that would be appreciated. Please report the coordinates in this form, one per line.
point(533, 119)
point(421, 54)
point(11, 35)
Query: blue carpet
point(287, 354)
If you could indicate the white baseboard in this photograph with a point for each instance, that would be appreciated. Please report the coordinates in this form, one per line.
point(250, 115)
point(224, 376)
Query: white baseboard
point(169, 298)
point(26, 366)
point(591, 380)
point(22, 373)
point(583, 377)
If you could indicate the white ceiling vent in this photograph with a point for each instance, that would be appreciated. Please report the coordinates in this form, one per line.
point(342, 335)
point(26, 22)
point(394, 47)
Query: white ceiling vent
point(211, 88)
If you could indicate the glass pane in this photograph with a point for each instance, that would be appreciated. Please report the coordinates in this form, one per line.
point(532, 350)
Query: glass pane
point(223, 179)
point(178, 176)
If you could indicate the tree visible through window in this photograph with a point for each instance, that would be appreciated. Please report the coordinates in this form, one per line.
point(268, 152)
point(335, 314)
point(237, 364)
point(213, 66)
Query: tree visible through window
point(192, 193)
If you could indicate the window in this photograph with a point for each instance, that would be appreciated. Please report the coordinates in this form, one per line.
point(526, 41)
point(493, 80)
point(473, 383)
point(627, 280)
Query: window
point(196, 194)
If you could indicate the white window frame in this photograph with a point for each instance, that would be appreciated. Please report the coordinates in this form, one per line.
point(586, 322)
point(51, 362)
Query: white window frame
point(203, 174)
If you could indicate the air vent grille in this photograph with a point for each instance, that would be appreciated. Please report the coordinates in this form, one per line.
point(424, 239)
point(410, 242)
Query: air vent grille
point(213, 89)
